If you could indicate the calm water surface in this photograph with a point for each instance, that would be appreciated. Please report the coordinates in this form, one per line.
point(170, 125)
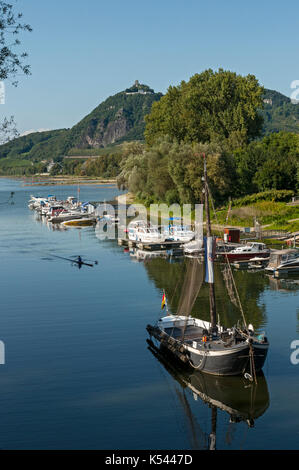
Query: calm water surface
point(79, 373)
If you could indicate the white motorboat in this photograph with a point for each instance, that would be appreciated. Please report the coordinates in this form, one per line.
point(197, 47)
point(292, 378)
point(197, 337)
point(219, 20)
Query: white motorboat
point(53, 210)
point(72, 202)
point(283, 261)
point(39, 203)
point(140, 231)
point(36, 202)
point(56, 217)
point(146, 235)
point(248, 251)
point(178, 233)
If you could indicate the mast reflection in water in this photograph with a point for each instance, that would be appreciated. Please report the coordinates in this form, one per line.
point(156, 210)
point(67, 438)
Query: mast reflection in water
point(241, 400)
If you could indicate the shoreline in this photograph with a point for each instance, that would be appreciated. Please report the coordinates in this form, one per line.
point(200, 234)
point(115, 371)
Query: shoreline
point(43, 180)
point(127, 198)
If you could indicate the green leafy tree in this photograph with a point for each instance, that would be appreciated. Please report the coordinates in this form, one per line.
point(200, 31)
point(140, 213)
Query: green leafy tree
point(12, 62)
point(186, 170)
point(210, 106)
point(8, 130)
point(276, 173)
point(144, 171)
point(172, 172)
point(270, 163)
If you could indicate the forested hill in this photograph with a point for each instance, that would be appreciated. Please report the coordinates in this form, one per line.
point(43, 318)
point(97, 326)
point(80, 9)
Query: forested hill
point(35, 145)
point(279, 113)
point(117, 119)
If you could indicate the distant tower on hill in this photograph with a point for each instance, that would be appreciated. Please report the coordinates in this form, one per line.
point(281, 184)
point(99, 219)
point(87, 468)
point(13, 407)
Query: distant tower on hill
point(268, 101)
point(136, 83)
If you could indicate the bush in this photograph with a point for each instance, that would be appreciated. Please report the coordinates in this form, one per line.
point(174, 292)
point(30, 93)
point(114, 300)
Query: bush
point(274, 195)
point(172, 197)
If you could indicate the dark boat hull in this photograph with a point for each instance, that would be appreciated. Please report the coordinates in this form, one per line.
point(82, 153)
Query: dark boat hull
point(232, 362)
point(224, 361)
point(245, 256)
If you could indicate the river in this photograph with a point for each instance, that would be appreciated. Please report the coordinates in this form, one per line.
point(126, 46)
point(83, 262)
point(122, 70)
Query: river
point(78, 371)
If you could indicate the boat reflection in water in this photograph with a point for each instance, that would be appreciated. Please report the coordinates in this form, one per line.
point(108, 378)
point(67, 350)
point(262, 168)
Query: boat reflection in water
point(145, 255)
point(52, 227)
point(288, 283)
point(242, 400)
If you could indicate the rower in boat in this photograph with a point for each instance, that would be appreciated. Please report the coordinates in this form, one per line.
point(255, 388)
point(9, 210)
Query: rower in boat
point(76, 261)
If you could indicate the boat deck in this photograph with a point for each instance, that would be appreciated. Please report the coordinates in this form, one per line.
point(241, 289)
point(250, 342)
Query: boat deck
point(195, 334)
point(191, 333)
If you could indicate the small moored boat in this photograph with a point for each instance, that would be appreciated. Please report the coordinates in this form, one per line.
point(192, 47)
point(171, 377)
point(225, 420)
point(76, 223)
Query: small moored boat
point(84, 222)
point(139, 231)
point(283, 261)
point(179, 233)
point(248, 251)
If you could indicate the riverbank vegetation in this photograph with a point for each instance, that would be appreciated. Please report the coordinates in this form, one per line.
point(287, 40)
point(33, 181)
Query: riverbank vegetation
point(271, 215)
point(171, 171)
point(219, 114)
point(216, 113)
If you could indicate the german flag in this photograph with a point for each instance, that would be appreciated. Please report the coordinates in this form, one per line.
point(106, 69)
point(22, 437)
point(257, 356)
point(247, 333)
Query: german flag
point(163, 301)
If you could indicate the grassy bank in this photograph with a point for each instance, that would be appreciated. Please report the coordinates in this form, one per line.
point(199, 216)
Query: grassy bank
point(271, 215)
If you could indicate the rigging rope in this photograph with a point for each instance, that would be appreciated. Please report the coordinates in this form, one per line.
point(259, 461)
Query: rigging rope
point(230, 273)
point(229, 285)
point(201, 365)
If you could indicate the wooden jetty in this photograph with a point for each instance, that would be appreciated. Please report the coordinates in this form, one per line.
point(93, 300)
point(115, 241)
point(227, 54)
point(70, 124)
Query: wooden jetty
point(241, 264)
point(173, 246)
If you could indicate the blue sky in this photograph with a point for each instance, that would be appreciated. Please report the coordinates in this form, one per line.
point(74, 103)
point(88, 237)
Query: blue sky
point(82, 52)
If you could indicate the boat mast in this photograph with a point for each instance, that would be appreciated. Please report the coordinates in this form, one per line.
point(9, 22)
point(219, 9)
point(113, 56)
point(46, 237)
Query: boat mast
point(78, 195)
point(212, 437)
point(209, 234)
